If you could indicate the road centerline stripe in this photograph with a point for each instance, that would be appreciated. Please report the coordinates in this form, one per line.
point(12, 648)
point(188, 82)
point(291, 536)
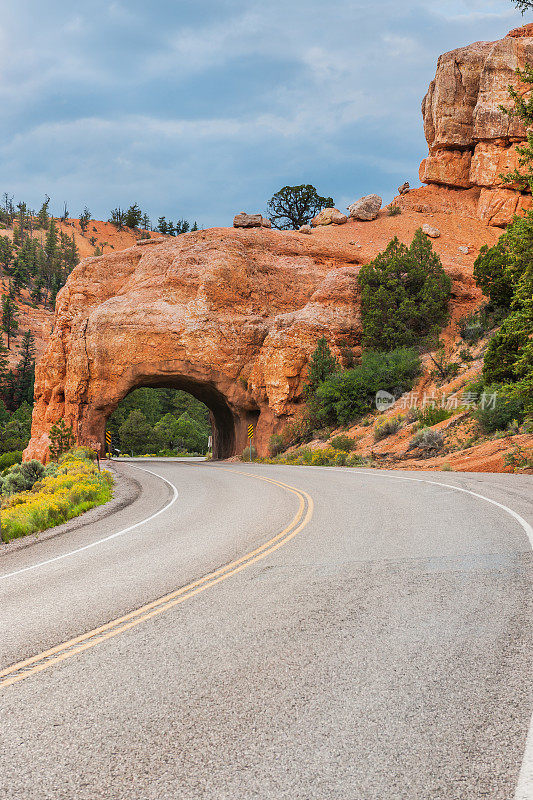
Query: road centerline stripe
point(41, 661)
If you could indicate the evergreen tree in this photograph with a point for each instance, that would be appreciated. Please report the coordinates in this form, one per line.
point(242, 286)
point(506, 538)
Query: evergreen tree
point(3, 367)
point(9, 318)
point(162, 225)
point(26, 369)
point(294, 206)
point(6, 252)
point(136, 433)
point(146, 222)
point(133, 217)
point(404, 296)
point(61, 439)
point(322, 364)
point(85, 218)
point(118, 218)
point(50, 247)
point(195, 226)
point(36, 295)
point(42, 216)
point(22, 219)
point(491, 274)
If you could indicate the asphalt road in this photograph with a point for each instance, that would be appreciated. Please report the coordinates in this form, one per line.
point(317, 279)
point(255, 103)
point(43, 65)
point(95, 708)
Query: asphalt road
point(379, 647)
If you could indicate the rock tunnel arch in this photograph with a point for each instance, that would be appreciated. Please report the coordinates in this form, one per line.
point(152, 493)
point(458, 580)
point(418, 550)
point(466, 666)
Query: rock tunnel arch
point(229, 316)
point(229, 426)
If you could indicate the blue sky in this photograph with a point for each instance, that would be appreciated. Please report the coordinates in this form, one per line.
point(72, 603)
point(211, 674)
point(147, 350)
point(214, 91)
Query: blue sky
point(204, 109)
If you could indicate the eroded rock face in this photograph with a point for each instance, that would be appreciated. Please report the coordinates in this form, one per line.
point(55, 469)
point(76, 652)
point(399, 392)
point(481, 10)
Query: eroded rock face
point(471, 140)
point(231, 316)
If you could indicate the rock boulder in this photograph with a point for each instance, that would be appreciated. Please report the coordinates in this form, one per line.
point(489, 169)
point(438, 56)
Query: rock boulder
point(329, 216)
point(244, 220)
point(367, 208)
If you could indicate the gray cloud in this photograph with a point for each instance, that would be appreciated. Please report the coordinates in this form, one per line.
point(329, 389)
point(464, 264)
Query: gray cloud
point(204, 111)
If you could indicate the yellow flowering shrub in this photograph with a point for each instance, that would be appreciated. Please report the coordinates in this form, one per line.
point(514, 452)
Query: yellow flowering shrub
point(77, 487)
point(328, 457)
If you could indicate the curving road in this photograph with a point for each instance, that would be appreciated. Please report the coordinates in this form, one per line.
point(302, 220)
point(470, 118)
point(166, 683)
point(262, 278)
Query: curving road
point(246, 631)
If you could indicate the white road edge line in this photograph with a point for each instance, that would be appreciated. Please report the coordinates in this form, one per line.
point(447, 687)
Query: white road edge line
point(524, 788)
point(106, 538)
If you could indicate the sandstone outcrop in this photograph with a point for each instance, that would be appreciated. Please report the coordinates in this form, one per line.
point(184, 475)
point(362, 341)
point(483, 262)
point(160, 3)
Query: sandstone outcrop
point(367, 208)
point(471, 140)
point(231, 316)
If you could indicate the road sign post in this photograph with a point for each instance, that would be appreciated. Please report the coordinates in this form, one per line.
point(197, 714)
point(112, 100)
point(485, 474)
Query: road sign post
point(250, 439)
point(109, 443)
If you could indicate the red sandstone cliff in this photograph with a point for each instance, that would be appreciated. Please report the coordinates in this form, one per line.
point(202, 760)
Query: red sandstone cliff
point(471, 140)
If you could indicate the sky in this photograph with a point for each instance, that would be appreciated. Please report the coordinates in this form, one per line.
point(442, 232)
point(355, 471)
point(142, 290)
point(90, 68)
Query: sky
point(202, 109)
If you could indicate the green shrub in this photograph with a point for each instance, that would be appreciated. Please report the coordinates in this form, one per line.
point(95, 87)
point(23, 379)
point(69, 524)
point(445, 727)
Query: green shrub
point(404, 294)
point(276, 445)
point(519, 459)
point(432, 415)
point(444, 370)
point(499, 408)
point(249, 453)
point(386, 427)
point(344, 396)
point(506, 355)
point(394, 210)
point(78, 454)
point(465, 355)
point(22, 477)
point(322, 364)
point(428, 442)
point(9, 459)
point(491, 274)
point(342, 442)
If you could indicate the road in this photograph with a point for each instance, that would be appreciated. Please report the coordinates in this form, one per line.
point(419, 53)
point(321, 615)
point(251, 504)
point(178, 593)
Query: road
point(275, 632)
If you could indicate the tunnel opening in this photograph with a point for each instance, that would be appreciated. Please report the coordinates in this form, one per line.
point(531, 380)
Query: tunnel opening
point(173, 417)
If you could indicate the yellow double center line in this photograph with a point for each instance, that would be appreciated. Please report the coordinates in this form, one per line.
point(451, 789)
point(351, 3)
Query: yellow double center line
point(41, 661)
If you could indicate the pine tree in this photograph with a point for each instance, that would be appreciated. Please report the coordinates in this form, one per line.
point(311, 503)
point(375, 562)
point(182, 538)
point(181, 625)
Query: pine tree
point(85, 218)
point(6, 252)
point(9, 318)
point(162, 225)
point(195, 226)
point(3, 367)
point(118, 218)
point(61, 439)
point(26, 369)
point(37, 291)
point(404, 294)
point(321, 364)
point(133, 216)
point(22, 219)
point(42, 216)
point(50, 247)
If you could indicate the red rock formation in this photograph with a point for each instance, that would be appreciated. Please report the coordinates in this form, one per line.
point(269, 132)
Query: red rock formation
point(229, 315)
point(472, 142)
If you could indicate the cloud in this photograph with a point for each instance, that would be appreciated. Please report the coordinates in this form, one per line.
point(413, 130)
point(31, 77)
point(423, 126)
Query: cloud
point(206, 107)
